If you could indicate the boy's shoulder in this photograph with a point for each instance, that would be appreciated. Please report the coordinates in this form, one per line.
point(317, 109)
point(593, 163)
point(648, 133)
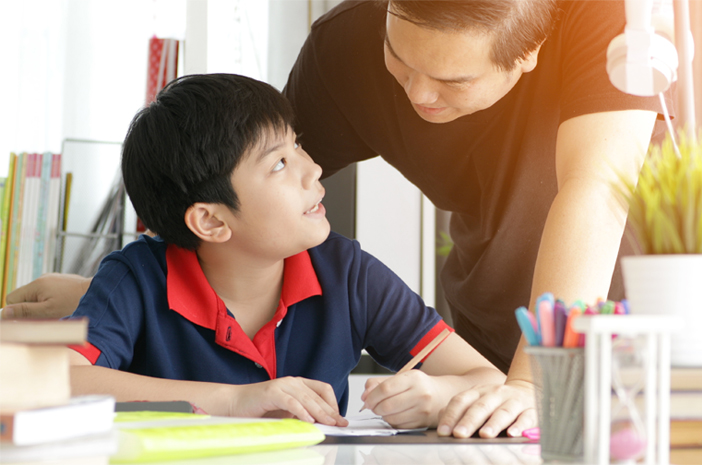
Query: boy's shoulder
point(141, 249)
point(335, 243)
point(339, 255)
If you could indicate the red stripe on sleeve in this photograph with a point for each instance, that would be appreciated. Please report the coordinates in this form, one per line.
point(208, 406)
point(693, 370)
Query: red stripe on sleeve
point(88, 351)
point(428, 337)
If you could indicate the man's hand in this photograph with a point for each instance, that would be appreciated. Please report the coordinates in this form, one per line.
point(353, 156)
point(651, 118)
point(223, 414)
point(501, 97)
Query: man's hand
point(52, 295)
point(511, 405)
point(306, 399)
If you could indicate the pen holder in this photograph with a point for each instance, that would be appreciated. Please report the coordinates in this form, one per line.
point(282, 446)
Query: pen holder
point(560, 373)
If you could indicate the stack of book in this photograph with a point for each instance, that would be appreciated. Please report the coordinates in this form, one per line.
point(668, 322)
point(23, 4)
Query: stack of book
point(686, 416)
point(39, 420)
point(29, 218)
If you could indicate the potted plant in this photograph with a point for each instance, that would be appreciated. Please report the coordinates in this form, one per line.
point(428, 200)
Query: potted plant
point(665, 213)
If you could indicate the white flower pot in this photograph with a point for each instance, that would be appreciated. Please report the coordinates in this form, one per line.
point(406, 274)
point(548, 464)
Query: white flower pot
point(669, 285)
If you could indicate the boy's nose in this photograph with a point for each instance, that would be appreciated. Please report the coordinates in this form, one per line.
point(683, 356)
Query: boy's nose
point(312, 172)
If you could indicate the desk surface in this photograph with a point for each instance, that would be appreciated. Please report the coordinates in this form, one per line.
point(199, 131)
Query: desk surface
point(386, 454)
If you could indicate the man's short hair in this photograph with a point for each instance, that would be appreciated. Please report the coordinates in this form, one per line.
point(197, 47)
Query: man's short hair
point(184, 147)
point(517, 27)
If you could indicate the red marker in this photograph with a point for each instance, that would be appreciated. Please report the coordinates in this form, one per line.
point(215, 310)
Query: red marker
point(571, 338)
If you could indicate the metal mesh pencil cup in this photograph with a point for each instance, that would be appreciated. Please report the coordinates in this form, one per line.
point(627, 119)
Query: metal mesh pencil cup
point(560, 373)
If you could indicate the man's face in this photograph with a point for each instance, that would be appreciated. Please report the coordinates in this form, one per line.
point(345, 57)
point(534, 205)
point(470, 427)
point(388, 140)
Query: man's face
point(446, 75)
point(280, 197)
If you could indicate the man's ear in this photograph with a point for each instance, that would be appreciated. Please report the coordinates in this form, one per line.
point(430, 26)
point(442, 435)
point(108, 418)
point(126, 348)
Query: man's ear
point(205, 220)
point(529, 62)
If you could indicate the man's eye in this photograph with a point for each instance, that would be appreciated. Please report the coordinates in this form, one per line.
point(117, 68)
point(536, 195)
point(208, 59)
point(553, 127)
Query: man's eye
point(280, 165)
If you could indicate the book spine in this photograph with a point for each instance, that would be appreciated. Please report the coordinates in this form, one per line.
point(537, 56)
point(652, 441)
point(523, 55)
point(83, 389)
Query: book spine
point(29, 219)
point(6, 212)
point(42, 214)
point(52, 217)
point(16, 223)
point(3, 224)
point(7, 427)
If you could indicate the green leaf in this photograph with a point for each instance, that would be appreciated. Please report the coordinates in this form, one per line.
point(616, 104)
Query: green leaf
point(665, 205)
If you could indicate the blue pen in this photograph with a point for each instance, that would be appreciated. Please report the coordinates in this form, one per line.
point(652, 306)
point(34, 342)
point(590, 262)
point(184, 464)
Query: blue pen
point(560, 317)
point(526, 326)
point(625, 304)
point(547, 296)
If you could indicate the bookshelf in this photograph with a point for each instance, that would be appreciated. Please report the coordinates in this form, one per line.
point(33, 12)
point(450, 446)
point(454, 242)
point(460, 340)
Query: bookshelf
point(62, 212)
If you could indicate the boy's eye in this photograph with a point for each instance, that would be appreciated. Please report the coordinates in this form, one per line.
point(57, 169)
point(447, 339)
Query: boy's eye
point(280, 165)
point(297, 145)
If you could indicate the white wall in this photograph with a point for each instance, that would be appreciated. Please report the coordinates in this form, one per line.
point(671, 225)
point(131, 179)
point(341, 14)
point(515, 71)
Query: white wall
point(75, 68)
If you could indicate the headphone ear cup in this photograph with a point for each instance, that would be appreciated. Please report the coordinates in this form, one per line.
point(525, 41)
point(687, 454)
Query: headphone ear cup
point(662, 65)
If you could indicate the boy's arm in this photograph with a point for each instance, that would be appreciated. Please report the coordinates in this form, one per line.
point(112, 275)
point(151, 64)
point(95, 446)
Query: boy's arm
point(309, 400)
point(418, 397)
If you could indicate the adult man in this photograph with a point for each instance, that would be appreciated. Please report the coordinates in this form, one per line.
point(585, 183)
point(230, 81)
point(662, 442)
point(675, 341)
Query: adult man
point(501, 112)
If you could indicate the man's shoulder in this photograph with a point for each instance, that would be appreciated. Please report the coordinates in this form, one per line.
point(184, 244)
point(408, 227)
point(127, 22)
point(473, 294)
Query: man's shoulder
point(348, 9)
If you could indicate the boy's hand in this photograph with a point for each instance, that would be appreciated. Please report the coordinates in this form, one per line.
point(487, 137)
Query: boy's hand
point(52, 295)
point(408, 400)
point(308, 400)
point(494, 407)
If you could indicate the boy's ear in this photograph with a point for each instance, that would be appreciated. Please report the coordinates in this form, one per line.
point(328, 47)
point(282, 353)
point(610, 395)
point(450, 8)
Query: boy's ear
point(205, 221)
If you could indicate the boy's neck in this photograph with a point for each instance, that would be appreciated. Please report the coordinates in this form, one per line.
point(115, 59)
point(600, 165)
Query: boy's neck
point(249, 286)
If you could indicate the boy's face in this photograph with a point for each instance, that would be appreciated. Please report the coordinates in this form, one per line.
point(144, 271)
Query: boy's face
point(280, 211)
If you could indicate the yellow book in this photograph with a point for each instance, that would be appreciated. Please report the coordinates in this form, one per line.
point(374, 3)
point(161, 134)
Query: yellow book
point(161, 436)
point(6, 213)
point(15, 224)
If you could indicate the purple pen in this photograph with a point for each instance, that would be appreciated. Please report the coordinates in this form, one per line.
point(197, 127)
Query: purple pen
point(560, 316)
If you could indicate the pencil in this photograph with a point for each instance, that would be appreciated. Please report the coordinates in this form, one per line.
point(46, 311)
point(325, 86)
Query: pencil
point(425, 351)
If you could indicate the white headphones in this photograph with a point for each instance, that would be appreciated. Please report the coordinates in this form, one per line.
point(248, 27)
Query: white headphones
point(641, 61)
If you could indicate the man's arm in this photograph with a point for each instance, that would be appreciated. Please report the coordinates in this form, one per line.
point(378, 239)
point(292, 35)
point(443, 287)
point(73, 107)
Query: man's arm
point(52, 295)
point(578, 250)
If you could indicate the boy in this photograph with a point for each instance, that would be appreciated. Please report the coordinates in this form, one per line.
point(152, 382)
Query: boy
point(246, 305)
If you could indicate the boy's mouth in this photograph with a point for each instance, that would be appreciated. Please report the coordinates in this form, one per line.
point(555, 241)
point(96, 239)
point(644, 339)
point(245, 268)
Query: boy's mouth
point(315, 208)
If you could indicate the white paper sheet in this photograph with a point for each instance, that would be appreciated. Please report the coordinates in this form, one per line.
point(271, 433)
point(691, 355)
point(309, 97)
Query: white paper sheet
point(364, 424)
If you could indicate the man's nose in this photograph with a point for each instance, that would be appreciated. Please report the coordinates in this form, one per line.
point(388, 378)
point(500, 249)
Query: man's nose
point(420, 90)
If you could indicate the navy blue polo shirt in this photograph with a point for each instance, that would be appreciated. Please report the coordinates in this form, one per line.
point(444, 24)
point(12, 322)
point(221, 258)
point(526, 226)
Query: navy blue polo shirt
point(153, 312)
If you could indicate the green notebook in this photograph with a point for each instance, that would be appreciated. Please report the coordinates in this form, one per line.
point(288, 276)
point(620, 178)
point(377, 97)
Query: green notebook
point(161, 436)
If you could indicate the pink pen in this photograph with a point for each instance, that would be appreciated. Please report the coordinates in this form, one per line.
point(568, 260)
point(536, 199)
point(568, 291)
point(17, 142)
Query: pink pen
point(533, 434)
point(619, 308)
point(548, 330)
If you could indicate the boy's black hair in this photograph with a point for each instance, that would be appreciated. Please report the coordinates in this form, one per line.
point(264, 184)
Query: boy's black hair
point(184, 146)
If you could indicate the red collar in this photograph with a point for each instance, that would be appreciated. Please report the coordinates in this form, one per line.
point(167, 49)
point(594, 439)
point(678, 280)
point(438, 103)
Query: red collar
point(190, 295)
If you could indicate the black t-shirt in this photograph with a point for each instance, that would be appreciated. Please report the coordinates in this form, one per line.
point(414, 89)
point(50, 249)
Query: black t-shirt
point(494, 169)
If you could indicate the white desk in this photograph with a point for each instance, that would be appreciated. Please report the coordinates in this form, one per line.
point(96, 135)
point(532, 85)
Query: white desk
point(384, 454)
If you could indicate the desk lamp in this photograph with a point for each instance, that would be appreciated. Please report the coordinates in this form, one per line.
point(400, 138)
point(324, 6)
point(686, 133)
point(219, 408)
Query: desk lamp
point(643, 62)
